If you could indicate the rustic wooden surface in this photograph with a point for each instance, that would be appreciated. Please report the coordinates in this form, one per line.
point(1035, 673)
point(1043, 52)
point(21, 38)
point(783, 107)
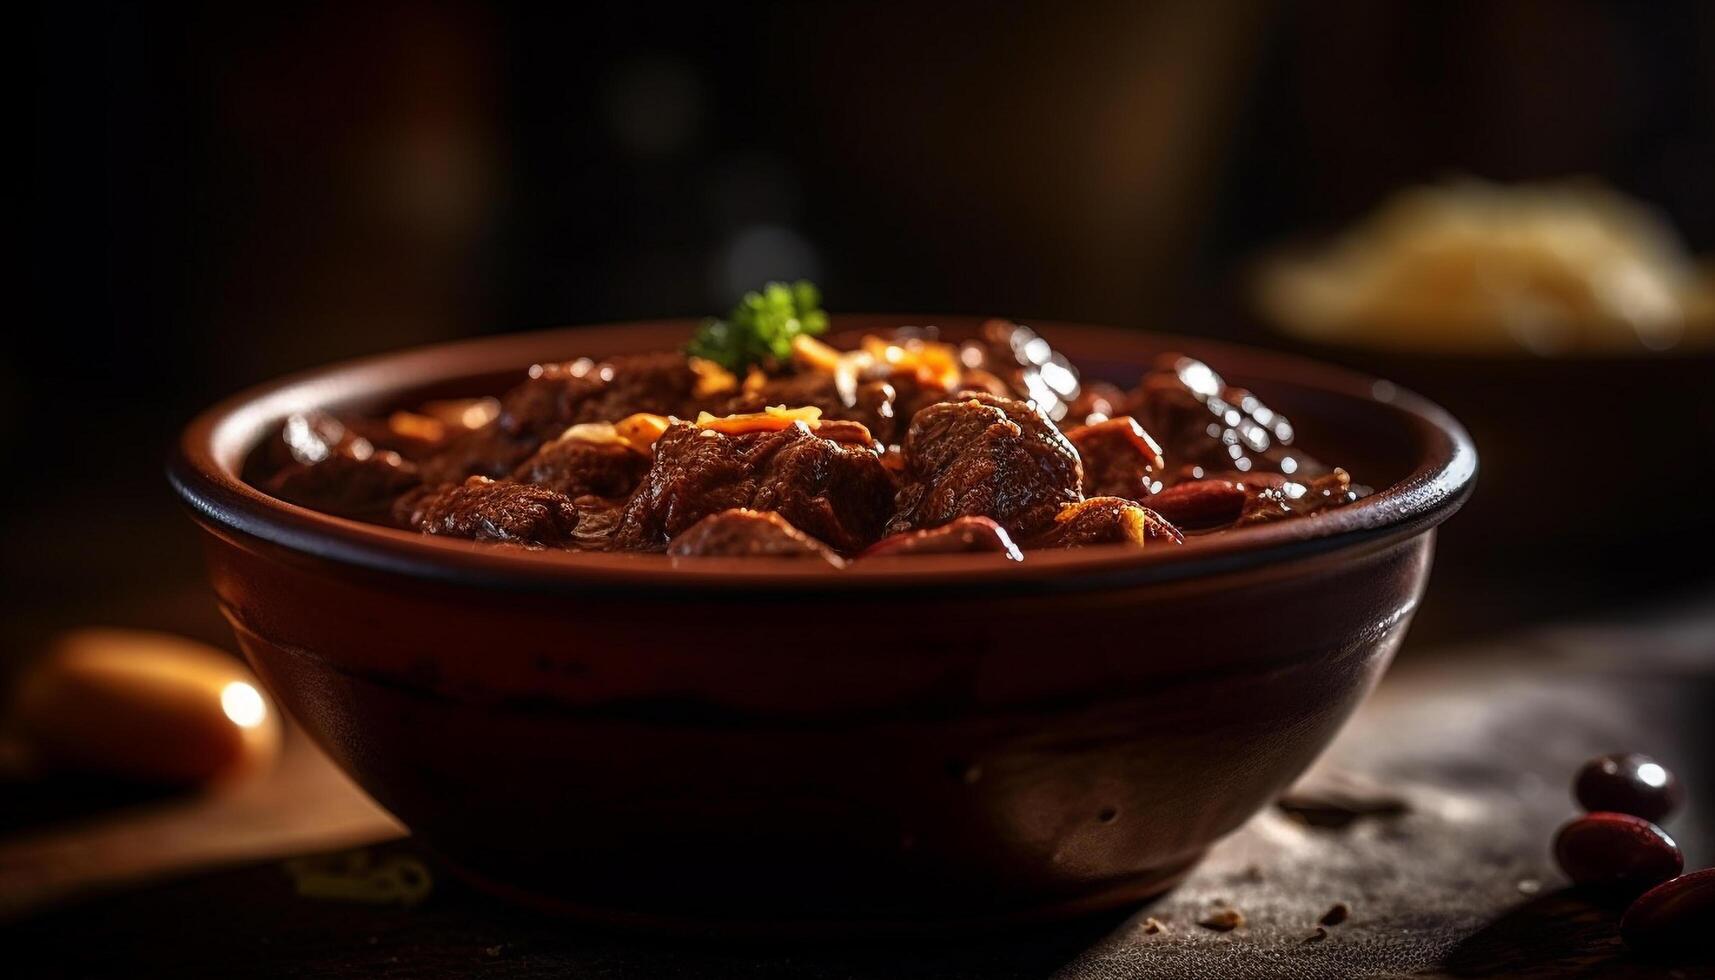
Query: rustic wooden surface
point(1479, 742)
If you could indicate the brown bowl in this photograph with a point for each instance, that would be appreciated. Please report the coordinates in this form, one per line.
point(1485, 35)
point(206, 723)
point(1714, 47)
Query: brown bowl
point(749, 743)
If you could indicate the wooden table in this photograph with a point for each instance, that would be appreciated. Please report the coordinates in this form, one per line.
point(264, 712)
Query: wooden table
point(1479, 742)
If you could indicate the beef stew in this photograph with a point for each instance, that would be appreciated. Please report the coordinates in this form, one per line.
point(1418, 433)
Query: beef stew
point(899, 443)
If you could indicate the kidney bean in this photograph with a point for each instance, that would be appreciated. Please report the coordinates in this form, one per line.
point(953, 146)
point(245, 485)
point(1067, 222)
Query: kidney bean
point(1199, 503)
point(1676, 915)
point(1616, 853)
point(959, 536)
point(1627, 782)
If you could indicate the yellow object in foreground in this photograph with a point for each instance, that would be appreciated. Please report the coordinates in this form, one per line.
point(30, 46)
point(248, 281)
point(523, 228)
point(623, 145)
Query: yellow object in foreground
point(144, 706)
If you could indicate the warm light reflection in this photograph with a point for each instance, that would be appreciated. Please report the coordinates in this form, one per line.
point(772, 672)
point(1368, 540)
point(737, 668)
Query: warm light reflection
point(1652, 775)
point(243, 704)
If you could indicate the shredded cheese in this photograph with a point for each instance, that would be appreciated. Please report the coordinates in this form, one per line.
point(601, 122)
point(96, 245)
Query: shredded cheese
point(771, 419)
point(812, 353)
point(635, 432)
point(410, 425)
point(712, 379)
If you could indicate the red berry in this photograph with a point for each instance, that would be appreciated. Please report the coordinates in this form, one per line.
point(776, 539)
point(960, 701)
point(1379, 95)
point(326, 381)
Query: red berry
point(1627, 782)
point(1616, 853)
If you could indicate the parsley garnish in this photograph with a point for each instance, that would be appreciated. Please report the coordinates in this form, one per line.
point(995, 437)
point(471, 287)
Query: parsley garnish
point(759, 330)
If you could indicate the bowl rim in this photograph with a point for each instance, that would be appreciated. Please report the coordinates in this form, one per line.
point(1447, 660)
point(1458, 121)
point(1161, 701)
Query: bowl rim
point(205, 465)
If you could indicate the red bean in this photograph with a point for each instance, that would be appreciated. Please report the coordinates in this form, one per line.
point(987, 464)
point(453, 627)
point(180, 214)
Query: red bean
point(959, 536)
point(1616, 853)
point(1627, 782)
point(1677, 915)
point(1199, 503)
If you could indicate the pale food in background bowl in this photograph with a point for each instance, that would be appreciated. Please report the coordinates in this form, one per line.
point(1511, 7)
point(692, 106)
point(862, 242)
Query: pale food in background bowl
point(1477, 268)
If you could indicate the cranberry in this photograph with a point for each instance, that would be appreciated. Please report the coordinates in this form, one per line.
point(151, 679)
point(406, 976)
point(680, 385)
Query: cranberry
point(1627, 782)
point(1617, 853)
point(1675, 915)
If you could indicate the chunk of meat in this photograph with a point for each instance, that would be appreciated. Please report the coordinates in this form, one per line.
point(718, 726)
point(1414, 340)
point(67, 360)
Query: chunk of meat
point(964, 535)
point(485, 510)
point(309, 437)
point(597, 518)
point(1106, 520)
point(490, 451)
point(1206, 426)
point(319, 462)
point(557, 396)
point(834, 491)
point(1120, 459)
point(1097, 402)
point(564, 394)
point(361, 487)
point(986, 455)
point(744, 533)
point(812, 389)
point(578, 468)
point(880, 406)
point(1269, 497)
point(1028, 363)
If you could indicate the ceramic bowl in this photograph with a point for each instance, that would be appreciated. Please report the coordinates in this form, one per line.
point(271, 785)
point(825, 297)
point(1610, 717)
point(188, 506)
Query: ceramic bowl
point(750, 744)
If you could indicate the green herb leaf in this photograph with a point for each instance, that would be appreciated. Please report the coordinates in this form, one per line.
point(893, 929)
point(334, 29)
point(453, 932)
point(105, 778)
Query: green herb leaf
point(759, 330)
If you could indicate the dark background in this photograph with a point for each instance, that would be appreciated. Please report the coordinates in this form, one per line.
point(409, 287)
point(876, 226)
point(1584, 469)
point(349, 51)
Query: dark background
point(218, 195)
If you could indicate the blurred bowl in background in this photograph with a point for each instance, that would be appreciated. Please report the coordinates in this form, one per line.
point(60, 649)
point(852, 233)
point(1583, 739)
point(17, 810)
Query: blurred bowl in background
point(1572, 333)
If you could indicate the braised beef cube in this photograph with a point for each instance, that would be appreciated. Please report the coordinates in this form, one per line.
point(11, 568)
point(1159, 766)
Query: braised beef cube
point(1028, 363)
point(879, 406)
point(307, 438)
point(1120, 459)
point(490, 451)
point(743, 533)
point(804, 389)
point(356, 481)
point(986, 455)
point(1269, 496)
point(834, 491)
point(557, 396)
point(1106, 520)
point(549, 399)
point(1206, 426)
point(965, 535)
point(696, 472)
point(978, 379)
point(485, 510)
point(597, 519)
point(1097, 402)
point(910, 397)
point(530, 414)
point(579, 468)
point(660, 384)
